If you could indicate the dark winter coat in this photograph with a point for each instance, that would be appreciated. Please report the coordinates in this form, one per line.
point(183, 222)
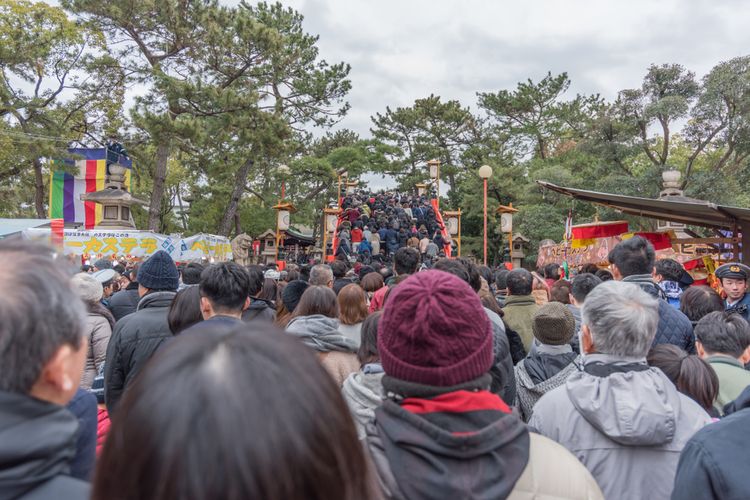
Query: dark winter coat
point(465, 444)
point(542, 371)
point(83, 406)
point(135, 339)
point(259, 310)
point(674, 327)
point(125, 301)
point(37, 444)
point(503, 379)
point(713, 464)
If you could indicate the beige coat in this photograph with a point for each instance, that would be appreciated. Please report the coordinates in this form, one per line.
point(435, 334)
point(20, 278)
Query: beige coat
point(339, 364)
point(553, 473)
point(98, 333)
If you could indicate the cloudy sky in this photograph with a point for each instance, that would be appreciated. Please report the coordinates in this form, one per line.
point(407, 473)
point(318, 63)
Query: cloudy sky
point(404, 50)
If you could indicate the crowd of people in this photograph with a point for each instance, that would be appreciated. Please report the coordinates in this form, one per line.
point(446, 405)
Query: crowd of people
point(404, 377)
point(373, 226)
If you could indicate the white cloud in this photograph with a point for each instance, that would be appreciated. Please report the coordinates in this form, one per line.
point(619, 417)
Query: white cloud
point(405, 50)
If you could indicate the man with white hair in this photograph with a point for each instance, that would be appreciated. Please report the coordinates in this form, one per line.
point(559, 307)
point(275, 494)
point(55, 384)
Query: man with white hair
point(624, 421)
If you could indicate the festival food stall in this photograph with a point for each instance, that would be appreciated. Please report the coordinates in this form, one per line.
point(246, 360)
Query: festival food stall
point(134, 245)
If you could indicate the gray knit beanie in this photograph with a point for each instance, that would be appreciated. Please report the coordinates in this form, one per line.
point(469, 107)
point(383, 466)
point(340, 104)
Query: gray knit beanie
point(553, 324)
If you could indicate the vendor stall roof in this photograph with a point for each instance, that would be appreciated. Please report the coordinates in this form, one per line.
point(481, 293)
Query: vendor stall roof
point(696, 213)
point(11, 226)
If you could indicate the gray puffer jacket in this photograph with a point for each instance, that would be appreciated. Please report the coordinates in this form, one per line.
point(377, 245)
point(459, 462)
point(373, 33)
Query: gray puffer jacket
point(625, 422)
point(363, 392)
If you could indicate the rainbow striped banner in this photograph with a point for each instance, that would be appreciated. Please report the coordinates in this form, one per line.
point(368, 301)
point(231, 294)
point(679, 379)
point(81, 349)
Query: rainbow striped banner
point(89, 173)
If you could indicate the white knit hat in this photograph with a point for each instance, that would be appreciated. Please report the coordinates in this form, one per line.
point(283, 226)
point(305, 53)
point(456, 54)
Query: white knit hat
point(88, 288)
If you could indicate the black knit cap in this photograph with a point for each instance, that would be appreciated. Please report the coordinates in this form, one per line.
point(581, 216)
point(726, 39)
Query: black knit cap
point(292, 294)
point(159, 272)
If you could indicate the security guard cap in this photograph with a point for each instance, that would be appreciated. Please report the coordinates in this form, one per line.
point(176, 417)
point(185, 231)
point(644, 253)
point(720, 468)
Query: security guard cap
point(733, 270)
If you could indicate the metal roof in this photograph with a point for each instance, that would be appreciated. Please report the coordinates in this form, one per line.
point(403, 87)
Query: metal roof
point(698, 213)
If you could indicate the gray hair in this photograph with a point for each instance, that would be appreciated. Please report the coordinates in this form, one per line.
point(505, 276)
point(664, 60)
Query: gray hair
point(40, 313)
point(320, 275)
point(622, 319)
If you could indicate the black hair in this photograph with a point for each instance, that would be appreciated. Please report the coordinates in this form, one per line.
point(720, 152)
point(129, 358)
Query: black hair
point(453, 267)
point(689, 373)
point(185, 310)
point(486, 273)
point(723, 333)
point(501, 279)
point(552, 271)
point(582, 286)
point(119, 269)
point(406, 260)
point(255, 274)
point(604, 275)
point(475, 279)
point(589, 268)
point(633, 256)
point(234, 379)
point(40, 313)
point(191, 273)
point(670, 269)
point(697, 301)
point(339, 269)
point(520, 282)
point(368, 347)
point(226, 285)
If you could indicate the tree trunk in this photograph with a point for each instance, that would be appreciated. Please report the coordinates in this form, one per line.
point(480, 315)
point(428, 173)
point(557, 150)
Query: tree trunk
point(237, 226)
point(234, 200)
point(160, 176)
point(39, 191)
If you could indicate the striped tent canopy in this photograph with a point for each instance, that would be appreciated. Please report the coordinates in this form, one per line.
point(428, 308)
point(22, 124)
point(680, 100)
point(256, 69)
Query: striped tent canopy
point(86, 173)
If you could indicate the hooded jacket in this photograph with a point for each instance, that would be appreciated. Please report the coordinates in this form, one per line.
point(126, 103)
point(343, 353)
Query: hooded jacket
point(674, 327)
point(713, 464)
point(467, 445)
point(624, 421)
point(335, 351)
point(135, 339)
point(363, 392)
point(542, 372)
point(260, 310)
point(37, 443)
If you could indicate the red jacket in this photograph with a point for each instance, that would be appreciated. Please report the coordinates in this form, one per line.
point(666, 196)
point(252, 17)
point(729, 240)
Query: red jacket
point(356, 235)
point(102, 429)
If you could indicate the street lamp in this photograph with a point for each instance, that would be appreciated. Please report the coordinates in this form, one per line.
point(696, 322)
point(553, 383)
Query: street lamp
point(485, 172)
point(434, 166)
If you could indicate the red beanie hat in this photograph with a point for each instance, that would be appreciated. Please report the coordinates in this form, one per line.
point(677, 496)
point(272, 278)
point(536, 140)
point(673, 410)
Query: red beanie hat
point(434, 331)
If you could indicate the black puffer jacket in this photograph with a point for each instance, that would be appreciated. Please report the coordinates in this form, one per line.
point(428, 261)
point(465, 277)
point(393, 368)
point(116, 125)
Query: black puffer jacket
point(37, 443)
point(125, 301)
point(134, 341)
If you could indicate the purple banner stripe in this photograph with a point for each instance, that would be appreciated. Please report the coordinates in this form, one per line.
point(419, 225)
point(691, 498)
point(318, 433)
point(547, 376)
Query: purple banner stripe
point(69, 202)
point(99, 154)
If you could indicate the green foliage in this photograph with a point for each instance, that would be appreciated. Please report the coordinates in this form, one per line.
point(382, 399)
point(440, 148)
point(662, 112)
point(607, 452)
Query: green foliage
point(233, 92)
